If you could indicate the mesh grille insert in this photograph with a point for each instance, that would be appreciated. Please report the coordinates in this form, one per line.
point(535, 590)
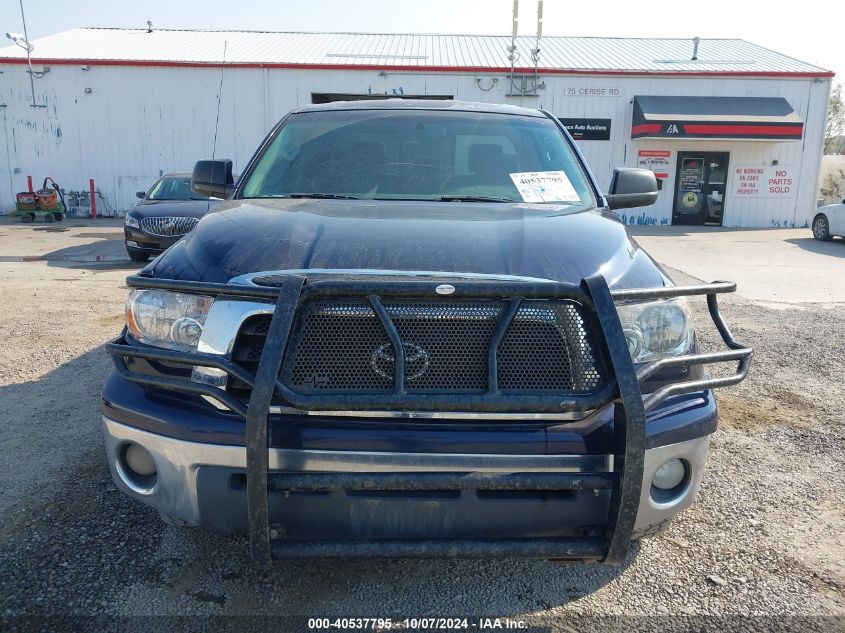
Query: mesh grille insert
point(340, 346)
point(333, 349)
point(445, 343)
point(548, 348)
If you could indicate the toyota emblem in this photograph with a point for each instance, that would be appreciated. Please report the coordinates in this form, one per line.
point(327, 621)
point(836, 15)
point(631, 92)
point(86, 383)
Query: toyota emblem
point(417, 361)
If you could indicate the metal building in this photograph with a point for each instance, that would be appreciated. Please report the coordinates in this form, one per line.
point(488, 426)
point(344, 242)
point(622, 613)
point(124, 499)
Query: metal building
point(734, 130)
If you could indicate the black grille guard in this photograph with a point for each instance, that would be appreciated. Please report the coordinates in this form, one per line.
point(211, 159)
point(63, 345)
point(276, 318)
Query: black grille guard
point(625, 391)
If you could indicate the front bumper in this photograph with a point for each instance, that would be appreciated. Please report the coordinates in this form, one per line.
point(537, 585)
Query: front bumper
point(143, 242)
point(202, 484)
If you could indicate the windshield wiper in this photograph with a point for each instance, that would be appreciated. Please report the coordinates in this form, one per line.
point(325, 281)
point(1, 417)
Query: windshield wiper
point(324, 196)
point(469, 198)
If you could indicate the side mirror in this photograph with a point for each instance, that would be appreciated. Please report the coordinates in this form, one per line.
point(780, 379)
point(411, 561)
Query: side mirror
point(140, 194)
point(213, 178)
point(632, 188)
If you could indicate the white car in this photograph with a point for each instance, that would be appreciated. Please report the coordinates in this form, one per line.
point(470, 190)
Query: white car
point(829, 221)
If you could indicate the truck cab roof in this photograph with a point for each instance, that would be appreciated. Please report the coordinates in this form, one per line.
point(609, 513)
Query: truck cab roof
point(421, 104)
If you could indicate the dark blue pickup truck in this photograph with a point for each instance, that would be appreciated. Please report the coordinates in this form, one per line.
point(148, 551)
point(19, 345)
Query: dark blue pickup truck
point(415, 329)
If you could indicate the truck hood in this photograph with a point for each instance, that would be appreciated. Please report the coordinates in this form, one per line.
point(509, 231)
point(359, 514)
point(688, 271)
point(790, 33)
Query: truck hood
point(549, 242)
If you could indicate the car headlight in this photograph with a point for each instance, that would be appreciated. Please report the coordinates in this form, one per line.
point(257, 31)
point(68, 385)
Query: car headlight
point(657, 329)
point(167, 319)
point(130, 221)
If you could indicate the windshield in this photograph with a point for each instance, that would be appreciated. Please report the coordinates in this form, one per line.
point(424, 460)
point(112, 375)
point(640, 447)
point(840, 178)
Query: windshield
point(173, 189)
point(419, 155)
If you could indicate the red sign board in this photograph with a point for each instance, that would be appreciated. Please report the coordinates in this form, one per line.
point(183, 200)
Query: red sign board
point(657, 160)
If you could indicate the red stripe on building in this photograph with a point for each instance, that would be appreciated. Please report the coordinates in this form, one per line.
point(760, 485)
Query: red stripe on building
point(647, 128)
point(746, 130)
point(416, 68)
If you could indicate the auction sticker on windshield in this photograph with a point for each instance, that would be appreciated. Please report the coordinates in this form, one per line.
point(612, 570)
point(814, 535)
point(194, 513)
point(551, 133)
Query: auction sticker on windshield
point(544, 186)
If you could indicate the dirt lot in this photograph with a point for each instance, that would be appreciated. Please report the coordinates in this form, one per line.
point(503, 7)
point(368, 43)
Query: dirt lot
point(766, 538)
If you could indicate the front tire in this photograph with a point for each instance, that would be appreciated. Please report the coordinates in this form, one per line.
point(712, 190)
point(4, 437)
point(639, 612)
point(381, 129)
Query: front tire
point(821, 228)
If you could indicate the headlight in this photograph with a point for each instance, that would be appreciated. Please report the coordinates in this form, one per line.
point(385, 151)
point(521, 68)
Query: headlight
point(130, 221)
point(657, 329)
point(167, 319)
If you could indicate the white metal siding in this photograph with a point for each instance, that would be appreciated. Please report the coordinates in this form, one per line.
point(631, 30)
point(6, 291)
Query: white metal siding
point(138, 122)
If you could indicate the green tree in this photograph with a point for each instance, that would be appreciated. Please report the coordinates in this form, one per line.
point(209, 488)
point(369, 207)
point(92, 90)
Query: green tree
point(833, 186)
point(834, 129)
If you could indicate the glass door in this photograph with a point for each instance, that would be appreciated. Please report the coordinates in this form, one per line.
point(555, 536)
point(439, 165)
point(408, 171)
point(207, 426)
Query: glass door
point(700, 188)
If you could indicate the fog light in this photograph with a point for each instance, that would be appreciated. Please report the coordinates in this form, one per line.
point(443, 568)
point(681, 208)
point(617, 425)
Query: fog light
point(670, 475)
point(139, 461)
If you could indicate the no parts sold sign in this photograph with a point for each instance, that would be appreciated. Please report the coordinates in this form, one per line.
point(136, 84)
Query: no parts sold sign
point(773, 181)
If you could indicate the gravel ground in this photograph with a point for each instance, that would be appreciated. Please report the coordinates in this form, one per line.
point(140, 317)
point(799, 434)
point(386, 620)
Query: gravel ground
point(765, 540)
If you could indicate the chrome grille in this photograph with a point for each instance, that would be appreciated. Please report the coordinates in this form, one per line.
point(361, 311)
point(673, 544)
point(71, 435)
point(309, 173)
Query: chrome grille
point(168, 226)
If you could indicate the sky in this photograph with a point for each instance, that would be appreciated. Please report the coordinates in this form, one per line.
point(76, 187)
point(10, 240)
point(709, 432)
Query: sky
point(812, 30)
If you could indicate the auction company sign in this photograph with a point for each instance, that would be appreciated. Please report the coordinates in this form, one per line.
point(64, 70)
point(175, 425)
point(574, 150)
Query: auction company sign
point(587, 129)
point(769, 181)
